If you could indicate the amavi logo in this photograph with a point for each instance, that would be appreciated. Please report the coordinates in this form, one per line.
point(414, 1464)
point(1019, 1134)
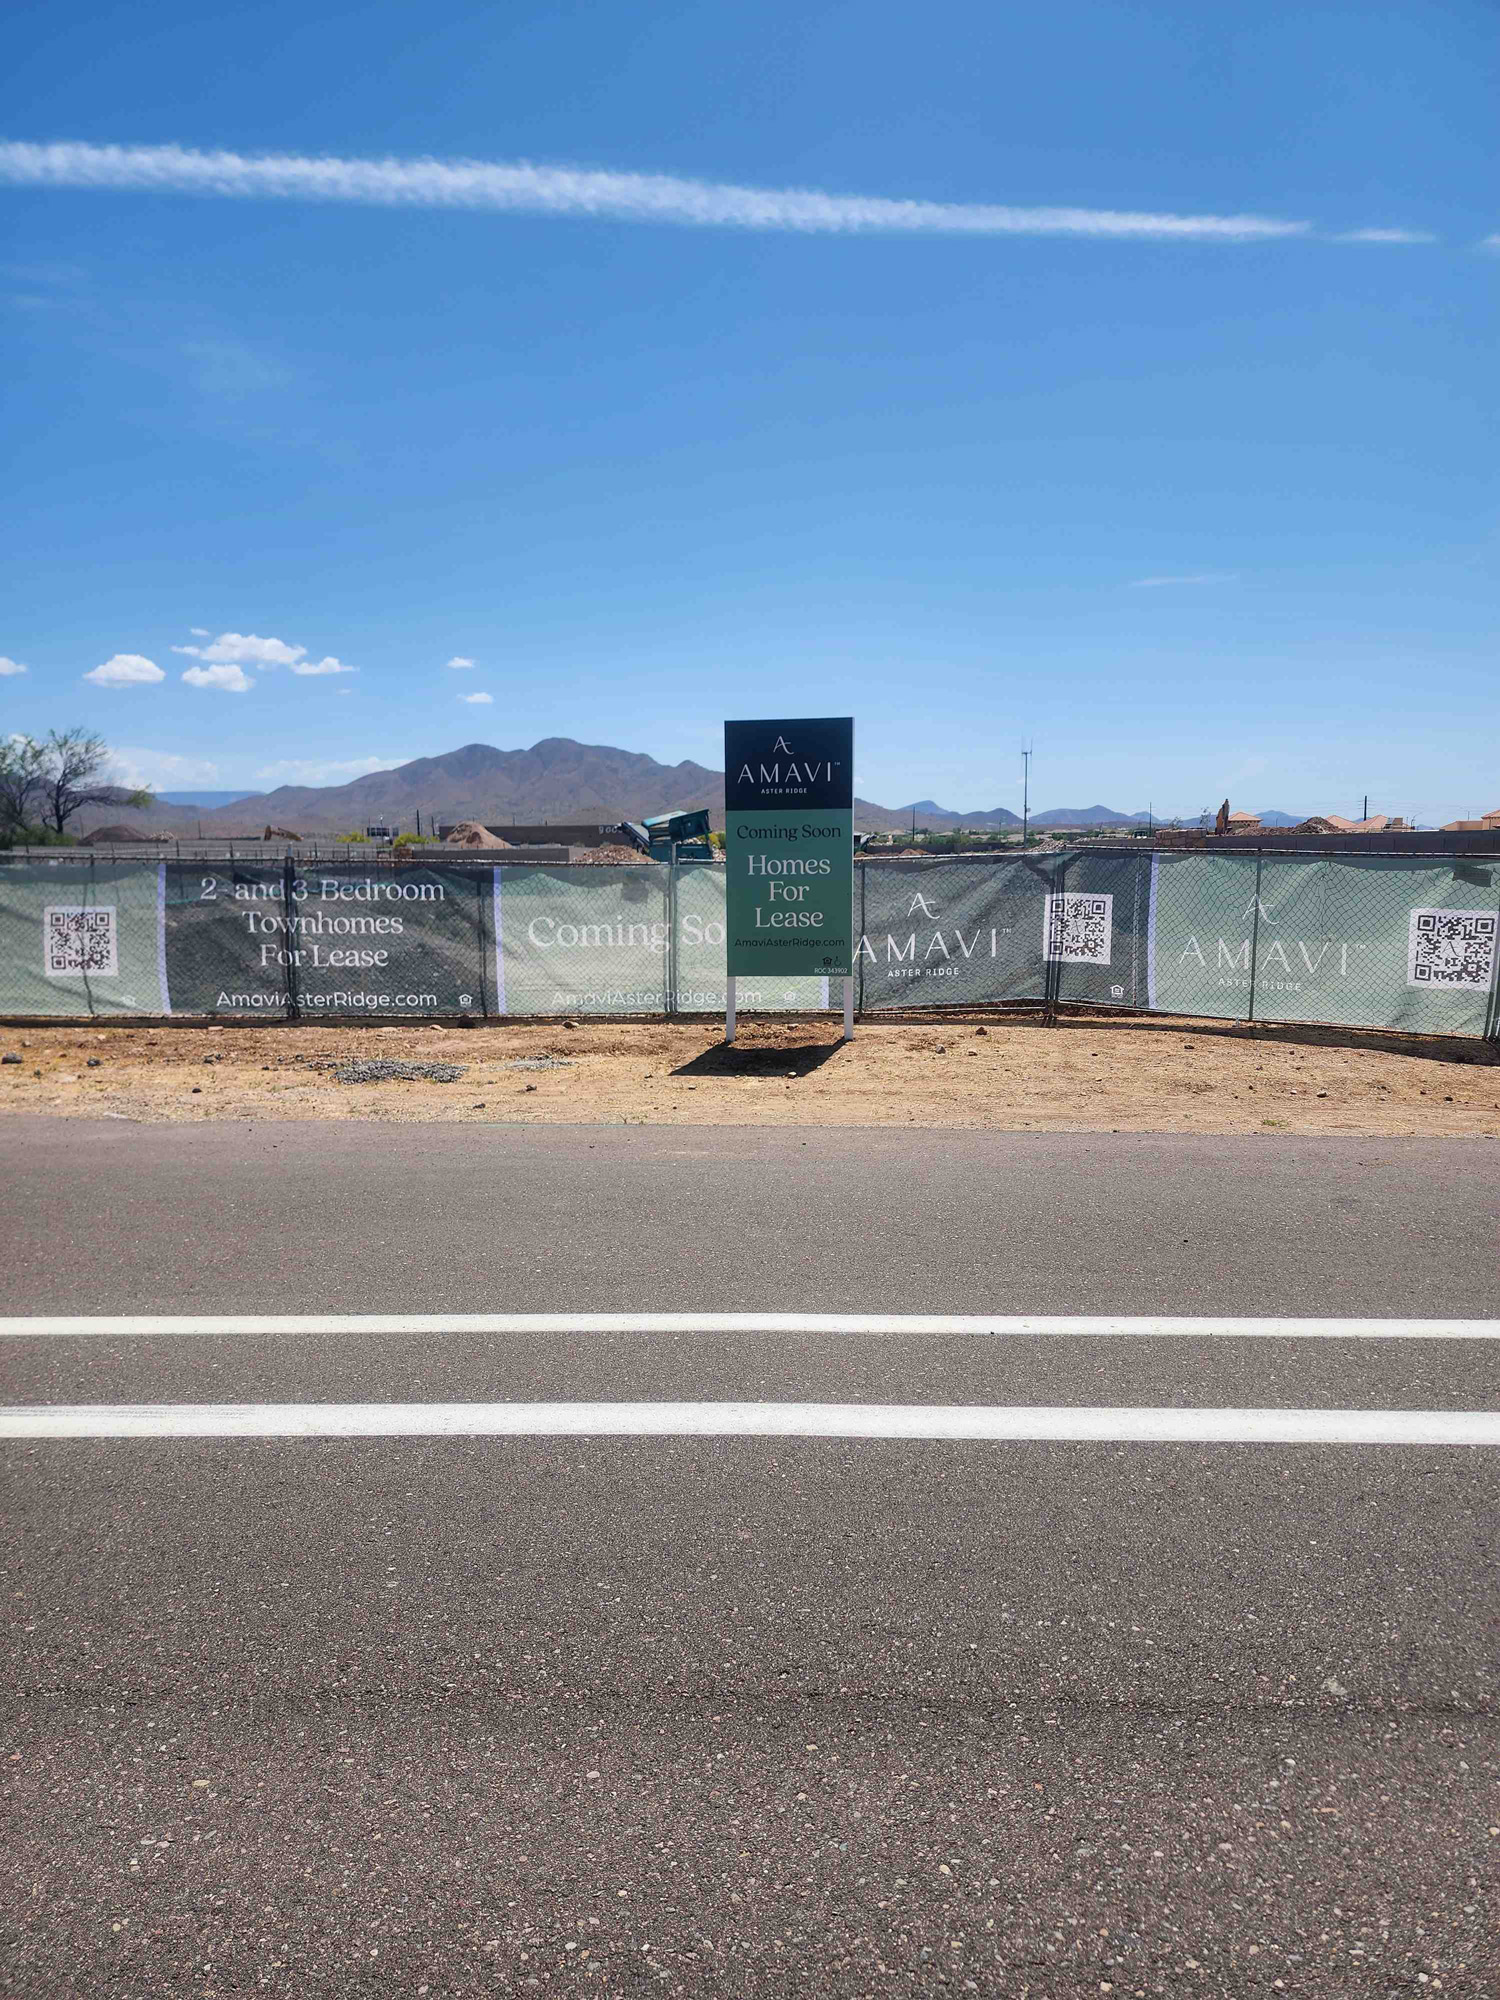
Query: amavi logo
point(801, 762)
point(1278, 963)
point(1283, 963)
point(783, 776)
point(938, 952)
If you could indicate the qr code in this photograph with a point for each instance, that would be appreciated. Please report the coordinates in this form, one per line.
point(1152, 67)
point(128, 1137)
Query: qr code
point(1452, 949)
point(1078, 929)
point(81, 941)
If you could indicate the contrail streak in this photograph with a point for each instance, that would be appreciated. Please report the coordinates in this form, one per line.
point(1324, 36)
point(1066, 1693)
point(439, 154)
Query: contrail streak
point(520, 188)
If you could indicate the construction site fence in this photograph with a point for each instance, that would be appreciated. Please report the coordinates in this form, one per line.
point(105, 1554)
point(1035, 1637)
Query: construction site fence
point(1367, 941)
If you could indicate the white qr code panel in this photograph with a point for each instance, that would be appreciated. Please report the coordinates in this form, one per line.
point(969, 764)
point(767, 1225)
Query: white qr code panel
point(1078, 929)
point(1451, 950)
point(79, 942)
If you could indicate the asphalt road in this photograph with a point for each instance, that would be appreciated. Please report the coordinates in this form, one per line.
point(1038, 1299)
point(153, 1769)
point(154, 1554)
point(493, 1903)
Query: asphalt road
point(379, 1218)
point(678, 1715)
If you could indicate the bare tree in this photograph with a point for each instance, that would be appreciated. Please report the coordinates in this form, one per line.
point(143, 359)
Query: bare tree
point(46, 783)
point(75, 764)
point(21, 775)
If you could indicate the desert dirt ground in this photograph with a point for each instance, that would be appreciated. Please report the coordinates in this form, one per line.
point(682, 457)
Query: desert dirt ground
point(1082, 1075)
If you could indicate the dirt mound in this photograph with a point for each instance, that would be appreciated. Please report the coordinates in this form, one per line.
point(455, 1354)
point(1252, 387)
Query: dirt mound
point(118, 836)
point(469, 833)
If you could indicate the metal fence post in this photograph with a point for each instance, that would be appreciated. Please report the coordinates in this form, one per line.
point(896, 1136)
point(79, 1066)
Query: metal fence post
point(484, 965)
point(88, 984)
point(288, 883)
point(1260, 862)
point(859, 949)
point(670, 996)
point(1052, 965)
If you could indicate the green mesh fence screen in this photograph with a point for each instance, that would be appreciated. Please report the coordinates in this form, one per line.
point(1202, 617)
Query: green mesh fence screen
point(1359, 941)
point(80, 937)
point(952, 933)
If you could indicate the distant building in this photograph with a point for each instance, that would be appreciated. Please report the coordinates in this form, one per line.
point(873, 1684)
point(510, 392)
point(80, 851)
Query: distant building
point(1489, 824)
point(1336, 823)
point(560, 833)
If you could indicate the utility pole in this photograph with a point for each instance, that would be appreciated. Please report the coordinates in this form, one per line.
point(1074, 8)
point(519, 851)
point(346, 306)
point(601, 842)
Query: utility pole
point(1025, 794)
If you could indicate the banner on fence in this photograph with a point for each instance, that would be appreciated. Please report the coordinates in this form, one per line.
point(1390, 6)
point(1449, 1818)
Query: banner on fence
point(259, 939)
point(1379, 941)
point(1367, 941)
point(80, 937)
point(581, 941)
point(946, 933)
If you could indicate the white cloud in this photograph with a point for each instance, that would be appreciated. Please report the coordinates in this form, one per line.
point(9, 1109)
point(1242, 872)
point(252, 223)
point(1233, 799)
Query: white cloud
point(521, 188)
point(1167, 582)
point(477, 697)
point(1386, 236)
point(200, 632)
point(124, 670)
point(248, 649)
point(164, 770)
point(245, 649)
point(233, 680)
point(458, 660)
point(309, 771)
point(10, 666)
point(1490, 243)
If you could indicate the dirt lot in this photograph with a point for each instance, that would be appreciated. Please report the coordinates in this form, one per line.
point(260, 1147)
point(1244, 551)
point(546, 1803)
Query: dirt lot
point(1015, 1075)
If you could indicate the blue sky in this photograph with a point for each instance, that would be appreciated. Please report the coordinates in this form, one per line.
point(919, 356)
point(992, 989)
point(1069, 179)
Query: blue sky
point(1200, 508)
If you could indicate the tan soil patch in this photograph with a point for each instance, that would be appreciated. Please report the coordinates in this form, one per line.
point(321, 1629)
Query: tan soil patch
point(1013, 1075)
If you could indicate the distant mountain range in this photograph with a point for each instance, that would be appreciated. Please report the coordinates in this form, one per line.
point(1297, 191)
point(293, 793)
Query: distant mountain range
point(556, 779)
point(934, 817)
point(1088, 816)
point(204, 798)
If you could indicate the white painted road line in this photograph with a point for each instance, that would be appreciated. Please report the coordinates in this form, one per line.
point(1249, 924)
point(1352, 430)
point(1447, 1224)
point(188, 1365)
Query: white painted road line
point(138, 1326)
point(959, 1423)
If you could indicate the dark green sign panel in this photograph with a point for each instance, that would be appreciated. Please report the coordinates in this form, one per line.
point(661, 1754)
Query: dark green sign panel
point(789, 846)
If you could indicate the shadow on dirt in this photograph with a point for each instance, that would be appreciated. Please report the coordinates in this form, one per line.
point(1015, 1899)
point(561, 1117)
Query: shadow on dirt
point(738, 1060)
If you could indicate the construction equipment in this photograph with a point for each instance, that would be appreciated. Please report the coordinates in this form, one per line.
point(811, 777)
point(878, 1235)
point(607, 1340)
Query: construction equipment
point(686, 831)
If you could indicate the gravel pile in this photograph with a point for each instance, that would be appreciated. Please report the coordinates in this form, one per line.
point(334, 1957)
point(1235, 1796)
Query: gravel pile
point(608, 857)
point(381, 1069)
point(540, 1062)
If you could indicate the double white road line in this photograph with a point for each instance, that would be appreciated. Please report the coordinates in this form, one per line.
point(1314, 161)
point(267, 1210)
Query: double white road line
point(1066, 1423)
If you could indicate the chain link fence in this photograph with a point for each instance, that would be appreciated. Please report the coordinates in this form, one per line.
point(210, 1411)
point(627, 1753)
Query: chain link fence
point(1383, 941)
